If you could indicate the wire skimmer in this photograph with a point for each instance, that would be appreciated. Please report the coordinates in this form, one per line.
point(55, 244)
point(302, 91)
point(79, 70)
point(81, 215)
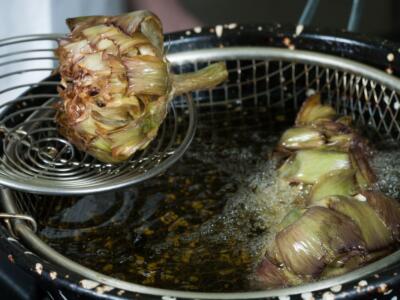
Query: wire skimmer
point(36, 159)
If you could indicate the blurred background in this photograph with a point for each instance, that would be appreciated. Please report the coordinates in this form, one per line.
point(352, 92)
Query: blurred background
point(18, 17)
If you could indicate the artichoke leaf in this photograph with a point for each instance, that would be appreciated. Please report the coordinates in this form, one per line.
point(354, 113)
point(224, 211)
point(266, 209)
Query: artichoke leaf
point(351, 261)
point(316, 239)
point(335, 183)
point(271, 275)
point(359, 154)
point(374, 232)
point(301, 138)
point(313, 110)
point(307, 166)
point(388, 210)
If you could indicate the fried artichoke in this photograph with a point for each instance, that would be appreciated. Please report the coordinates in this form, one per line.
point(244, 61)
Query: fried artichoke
point(346, 222)
point(116, 83)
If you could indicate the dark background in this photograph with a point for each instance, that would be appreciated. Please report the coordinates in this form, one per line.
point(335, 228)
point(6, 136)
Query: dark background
point(379, 17)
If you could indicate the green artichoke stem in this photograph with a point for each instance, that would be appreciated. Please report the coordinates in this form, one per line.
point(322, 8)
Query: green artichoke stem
point(208, 77)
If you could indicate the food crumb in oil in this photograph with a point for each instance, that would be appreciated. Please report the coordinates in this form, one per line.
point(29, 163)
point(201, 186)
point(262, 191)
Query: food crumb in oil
point(107, 268)
point(169, 217)
point(280, 118)
point(139, 260)
point(148, 231)
point(186, 256)
point(197, 205)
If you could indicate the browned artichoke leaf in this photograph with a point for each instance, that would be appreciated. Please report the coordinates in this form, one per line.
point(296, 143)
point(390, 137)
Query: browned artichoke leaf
point(351, 261)
point(345, 120)
point(374, 232)
point(339, 142)
point(268, 274)
point(150, 26)
point(316, 239)
point(313, 110)
point(271, 275)
point(331, 127)
point(95, 63)
point(80, 23)
point(337, 133)
point(147, 75)
point(359, 154)
point(141, 20)
point(76, 50)
point(388, 210)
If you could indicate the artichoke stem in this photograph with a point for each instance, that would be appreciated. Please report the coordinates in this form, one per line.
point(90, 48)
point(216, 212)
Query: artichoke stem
point(208, 77)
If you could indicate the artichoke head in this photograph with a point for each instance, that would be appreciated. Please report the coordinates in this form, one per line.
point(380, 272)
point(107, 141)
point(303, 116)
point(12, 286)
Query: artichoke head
point(116, 84)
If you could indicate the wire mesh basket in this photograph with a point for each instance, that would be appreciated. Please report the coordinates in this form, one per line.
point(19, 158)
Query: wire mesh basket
point(261, 79)
point(264, 78)
point(35, 158)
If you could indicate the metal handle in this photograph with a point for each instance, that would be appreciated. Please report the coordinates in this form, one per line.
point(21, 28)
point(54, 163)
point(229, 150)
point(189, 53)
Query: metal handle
point(355, 15)
point(311, 8)
point(7, 217)
point(308, 12)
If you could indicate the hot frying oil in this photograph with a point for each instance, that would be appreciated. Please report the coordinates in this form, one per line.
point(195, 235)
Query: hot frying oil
point(201, 226)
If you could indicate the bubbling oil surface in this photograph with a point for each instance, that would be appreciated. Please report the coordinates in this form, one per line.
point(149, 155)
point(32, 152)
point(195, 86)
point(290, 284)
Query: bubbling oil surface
point(204, 224)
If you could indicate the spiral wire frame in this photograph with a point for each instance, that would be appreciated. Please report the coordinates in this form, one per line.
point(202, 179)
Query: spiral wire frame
point(36, 159)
